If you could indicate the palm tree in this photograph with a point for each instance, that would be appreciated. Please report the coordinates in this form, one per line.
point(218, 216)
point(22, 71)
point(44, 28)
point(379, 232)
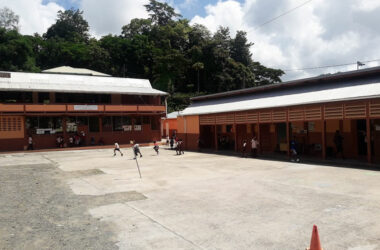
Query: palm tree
point(198, 66)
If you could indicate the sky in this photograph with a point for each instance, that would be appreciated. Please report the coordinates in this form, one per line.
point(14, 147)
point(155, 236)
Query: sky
point(319, 33)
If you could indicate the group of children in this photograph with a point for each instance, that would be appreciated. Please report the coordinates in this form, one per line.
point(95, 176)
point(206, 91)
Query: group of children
point(136, 149)
point(176, 144)
point(254, 147)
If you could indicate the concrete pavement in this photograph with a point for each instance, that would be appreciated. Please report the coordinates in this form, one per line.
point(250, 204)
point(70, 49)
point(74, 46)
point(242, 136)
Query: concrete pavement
point(206, 201)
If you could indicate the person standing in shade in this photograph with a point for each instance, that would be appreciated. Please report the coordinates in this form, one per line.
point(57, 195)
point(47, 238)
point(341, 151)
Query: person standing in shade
point(254, 145)
point(30, 143)
point(244, 149)
point(136, 150)
point(338, 140)
point(117, 148)
point(156, 147)
point(293, 150)
point(171, 142)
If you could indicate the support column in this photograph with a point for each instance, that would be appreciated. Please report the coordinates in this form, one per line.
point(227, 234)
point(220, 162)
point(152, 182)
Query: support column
point(368, 123)
point(64, 129)
point(369, 151)
point(258, 137)
point(100, 125)
point(216, 138)
point(234, 128)
point(288, 138)
point(35, 97)
point(323, 139)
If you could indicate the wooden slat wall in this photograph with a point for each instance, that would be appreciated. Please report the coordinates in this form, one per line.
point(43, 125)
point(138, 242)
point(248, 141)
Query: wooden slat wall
point(11, 127)
point(350, 110)
point(265, 116)
point(313, 113)
point(355, 110)
point(225, 118)
point(334, 112)
point(374, 109)
point(279, 116)
point(296, 114)
point(241, 118)
point(207, 120)
point(252, 117)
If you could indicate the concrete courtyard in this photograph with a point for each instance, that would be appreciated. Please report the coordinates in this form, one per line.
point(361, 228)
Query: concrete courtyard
point(91, 200)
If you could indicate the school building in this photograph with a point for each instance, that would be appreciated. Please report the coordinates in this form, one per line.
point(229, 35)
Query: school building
point(67, 101)
point(169, 124)
point(310, 111)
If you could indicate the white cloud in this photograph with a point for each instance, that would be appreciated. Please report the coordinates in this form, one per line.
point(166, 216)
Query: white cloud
point(108, 16)
point(319, 33)
point(34, 16)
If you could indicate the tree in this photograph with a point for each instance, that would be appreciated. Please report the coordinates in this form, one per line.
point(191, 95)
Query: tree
point(198, 66)
point(8, 19)
point(70, 26)
point(16, 52)
point(137, 26)
point(160, 13)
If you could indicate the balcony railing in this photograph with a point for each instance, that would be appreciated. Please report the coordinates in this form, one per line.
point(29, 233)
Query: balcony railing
point(78, 108)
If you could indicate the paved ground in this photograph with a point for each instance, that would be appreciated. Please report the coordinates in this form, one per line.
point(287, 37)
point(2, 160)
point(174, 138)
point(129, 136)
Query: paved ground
point(91, 200)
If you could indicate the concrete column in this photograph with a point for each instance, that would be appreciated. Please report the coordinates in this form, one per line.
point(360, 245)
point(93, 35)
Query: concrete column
point(234, 127)
point(216, 137)
point(288, 138)
point(258, 137)
point(52, 97)
point(369, 151)
point(35, 97)
point(323, 139)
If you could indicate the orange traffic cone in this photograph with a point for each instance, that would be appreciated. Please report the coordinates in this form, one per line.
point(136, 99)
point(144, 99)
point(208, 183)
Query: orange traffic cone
point(315, 243)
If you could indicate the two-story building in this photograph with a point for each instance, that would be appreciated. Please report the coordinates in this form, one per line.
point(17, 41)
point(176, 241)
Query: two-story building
point(67, 102)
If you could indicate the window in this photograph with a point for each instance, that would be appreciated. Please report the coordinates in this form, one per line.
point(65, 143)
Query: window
point(15, 97)
point(82, 98)
point(107, 124)
point(71, 125)
point(44, 125)
point(122, 123)
point(43, 97)
point(93, 124)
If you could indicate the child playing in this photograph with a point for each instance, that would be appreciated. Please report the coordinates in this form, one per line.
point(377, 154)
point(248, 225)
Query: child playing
point(117, 148)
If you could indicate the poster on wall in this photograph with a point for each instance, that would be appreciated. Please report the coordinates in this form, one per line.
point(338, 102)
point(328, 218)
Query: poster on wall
point(127, 127)
point(137, 128)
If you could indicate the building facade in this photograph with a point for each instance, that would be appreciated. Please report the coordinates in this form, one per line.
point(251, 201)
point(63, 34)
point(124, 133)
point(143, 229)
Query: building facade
point(76, 102)
point(310, 111)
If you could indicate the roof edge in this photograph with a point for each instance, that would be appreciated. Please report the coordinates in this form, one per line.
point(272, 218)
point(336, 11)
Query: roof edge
point(291, 83)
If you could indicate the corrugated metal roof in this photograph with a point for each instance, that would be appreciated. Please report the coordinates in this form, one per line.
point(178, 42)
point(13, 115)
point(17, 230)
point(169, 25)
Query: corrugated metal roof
point(172, 115)
point(75, 71)
point(304, 81)
point(76, 84)
point(308, 94)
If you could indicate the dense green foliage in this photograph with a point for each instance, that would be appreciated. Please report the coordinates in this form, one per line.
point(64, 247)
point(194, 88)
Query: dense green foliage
point(179, 58)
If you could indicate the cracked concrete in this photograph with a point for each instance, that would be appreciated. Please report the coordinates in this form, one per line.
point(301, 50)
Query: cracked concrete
point(193, 201)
